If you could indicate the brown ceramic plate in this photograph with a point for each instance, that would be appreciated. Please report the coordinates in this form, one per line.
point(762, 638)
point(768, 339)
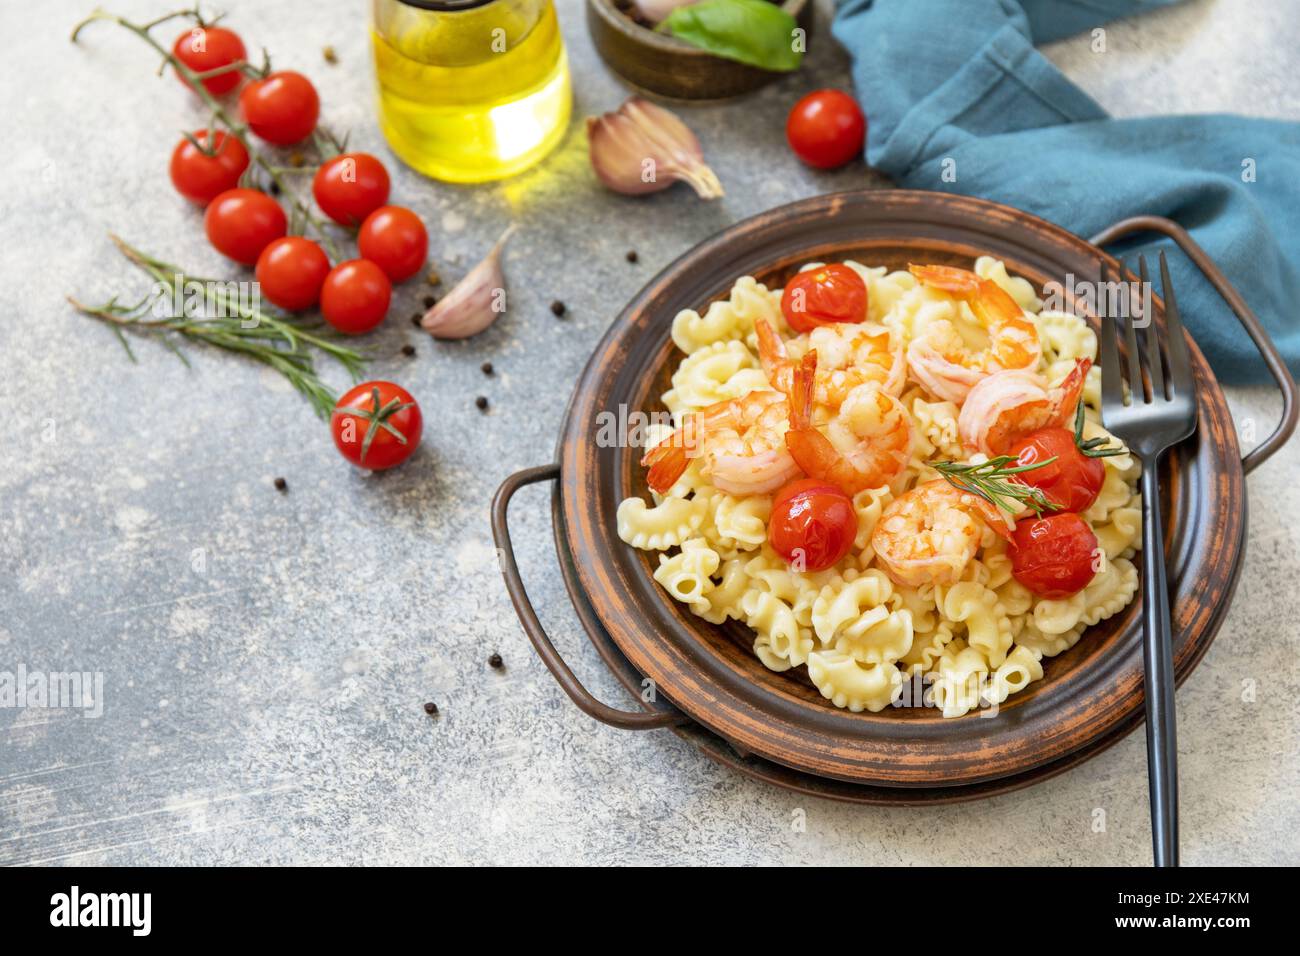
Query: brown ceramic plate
point(1087, 694)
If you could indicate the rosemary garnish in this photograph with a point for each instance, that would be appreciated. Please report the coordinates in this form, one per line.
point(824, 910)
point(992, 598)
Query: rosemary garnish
point(1093, 446)
point(989, 480)
point(282, 343)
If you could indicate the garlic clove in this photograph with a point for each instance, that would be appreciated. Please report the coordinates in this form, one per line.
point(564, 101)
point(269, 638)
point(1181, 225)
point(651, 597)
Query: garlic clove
point(475, 302)
point(642, 148)
point(655, 11)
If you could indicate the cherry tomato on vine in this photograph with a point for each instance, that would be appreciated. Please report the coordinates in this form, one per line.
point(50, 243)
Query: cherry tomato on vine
point(826, 129)
point(377, 425)
point(351, 186)
point(240, 223)
point(201, 178)
point(822, 296)
point(1073, 481)
point(291, 271)
point(813, 524)
point(355, 296)
point(210, 48)
point(393, 238)
point(1053, 556)
point(281, 108)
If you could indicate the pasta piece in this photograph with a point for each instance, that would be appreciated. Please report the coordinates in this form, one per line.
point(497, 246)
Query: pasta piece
point(1058, 616)
point(731, 318)
point(1110, 591)
point(1121, 534)
point(987, 629)
point(1022, 290)
point(843, 602)
point(724, 599)
point(774, 620)
point(858, 687)
point(959, 685)
point(687, 575)
point(1049, 645)
point(714, 374)
point(868, 504)
point(925, 650)
point(937, 423)
point(743, 520)
point(664, 526)
point(1022, 667)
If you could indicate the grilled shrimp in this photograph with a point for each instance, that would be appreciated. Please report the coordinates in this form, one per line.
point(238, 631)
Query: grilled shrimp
point(939, 357)
point(930, 534)
point(1006, 406)
point(850, 355)
point(871, 426)
point(741, 442)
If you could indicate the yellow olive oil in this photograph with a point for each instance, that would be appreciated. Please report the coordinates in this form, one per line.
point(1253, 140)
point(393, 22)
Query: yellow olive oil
point(471, 91)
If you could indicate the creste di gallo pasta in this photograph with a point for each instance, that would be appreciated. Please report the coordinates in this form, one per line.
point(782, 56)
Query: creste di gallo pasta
point(917, 417)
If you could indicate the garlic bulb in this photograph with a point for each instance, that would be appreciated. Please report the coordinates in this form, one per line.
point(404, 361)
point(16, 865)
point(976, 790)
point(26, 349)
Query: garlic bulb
point(643, 148)
point(474, 302)
point(653, 11)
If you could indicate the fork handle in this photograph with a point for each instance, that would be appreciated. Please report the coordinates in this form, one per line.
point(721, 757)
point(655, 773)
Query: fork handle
point(1158, 657)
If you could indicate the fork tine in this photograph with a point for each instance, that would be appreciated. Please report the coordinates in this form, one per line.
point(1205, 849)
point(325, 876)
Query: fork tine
point(1112, 384)
point(1150, 336)
point(1137, 393)
point(1180, 366)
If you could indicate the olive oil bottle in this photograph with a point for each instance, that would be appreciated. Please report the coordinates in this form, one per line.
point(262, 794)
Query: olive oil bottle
point(470, 90)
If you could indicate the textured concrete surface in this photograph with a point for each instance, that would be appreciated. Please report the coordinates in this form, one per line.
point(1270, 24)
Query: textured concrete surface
point(265, 656)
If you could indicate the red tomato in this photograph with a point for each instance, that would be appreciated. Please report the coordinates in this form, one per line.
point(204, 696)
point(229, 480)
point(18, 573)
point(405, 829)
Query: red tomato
point(354, 298)
point(351, 186)
point(210, 48)
point(377, 425)
point(1053, 556)
point(394, 239)
point(242, 222)
point(821, 296)
point(281, 108)
point(1073, 481)
point(813, 524)
point(202, 178)
point(291, 271)
point(826, 129)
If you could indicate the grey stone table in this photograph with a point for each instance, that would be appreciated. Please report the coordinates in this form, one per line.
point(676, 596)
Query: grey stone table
point(265, 656)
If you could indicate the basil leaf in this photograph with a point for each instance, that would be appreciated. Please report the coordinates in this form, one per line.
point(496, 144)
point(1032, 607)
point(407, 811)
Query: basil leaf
point(751, 31)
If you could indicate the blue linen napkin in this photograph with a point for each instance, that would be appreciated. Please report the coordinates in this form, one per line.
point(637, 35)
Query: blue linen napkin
point(957, 99)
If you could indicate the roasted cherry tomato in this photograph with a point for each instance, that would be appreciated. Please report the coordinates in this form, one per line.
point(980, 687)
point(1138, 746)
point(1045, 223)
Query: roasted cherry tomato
point(1073, 481)
point(210, 48)
point(202, 178)
point(355, 296)
point(813, 524)
point(349, 187)
point(394, 239)
point(1054, 556)
point(826, 129)
point(282, 108)
point(291, 271)
point(377, 425)
point(822, 296)
point(242, 222)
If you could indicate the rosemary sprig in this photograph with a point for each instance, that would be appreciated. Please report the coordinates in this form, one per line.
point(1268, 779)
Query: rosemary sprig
point(229, 323)
point(989, 480)
point(1093, 447)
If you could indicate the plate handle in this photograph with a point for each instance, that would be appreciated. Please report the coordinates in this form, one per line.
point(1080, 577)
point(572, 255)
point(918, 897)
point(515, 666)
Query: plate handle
point(628, 720)
point(1249, 321)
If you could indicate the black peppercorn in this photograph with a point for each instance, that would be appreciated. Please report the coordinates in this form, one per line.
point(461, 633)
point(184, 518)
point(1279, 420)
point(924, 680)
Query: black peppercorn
point(495, 662)
point(486, 368)
point(430, 708)
point(631, 255)
point(281, 484)
point(481, 402)
point(558, 308)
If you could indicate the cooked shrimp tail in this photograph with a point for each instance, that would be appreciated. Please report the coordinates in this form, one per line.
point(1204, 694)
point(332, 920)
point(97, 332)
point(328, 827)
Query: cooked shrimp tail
point(667, 462)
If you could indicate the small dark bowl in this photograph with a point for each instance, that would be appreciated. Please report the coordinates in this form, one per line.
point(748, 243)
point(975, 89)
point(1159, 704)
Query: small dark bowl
point(664, 65)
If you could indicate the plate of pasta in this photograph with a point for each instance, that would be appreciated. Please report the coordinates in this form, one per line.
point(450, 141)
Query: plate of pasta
point(835, 484)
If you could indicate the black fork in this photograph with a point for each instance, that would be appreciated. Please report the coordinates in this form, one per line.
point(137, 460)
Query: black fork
point(1158, 411)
